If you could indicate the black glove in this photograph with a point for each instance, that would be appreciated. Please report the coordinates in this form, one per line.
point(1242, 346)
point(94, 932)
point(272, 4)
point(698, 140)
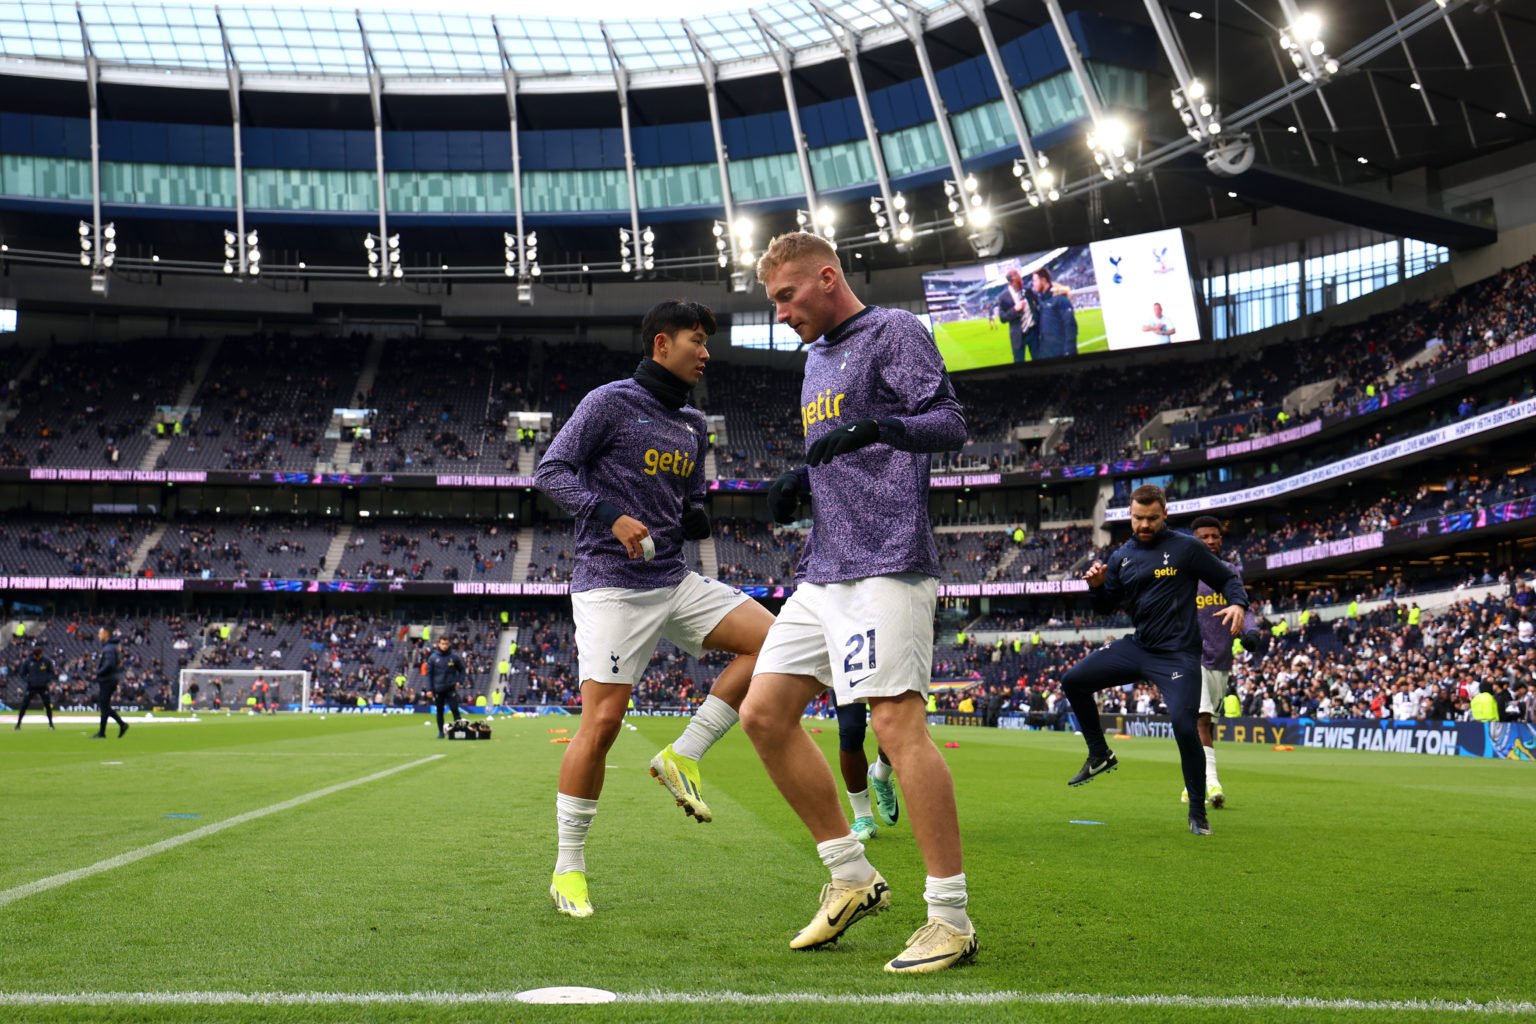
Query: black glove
point(1254, 642)
point(842, 441)
point(695, 523)
point(784, 497)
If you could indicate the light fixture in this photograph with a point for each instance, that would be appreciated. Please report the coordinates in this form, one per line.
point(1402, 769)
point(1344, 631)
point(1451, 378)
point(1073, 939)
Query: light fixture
point(744, 230)
point(527, 246)
point(625, 252)
point(1109, 140)
point(383, 256)
point(893, 223)
point(1302, 40)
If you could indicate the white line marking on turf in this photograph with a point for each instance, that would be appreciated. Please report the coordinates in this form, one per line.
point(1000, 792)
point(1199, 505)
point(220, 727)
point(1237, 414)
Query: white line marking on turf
point(1003, 998)
point(122, 859)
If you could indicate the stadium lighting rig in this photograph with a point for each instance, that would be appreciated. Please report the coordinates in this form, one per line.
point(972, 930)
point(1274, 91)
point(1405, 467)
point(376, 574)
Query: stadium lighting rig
point(642, 250)
point(1110, 142)
point(520, 253)
point(1201, 117)
point(821, 221)
point(1038, 187)
point(522, 262)
point(895, 223)
point(966, 203)
point(1302, 40)
point(251, 244)
point(383, 256)
point(745, 231)
point(101, 252)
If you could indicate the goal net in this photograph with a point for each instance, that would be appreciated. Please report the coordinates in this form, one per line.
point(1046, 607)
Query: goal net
point(258, 690)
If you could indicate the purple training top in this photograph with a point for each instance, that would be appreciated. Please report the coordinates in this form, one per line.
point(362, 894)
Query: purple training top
point(1215, 638)
point(870, 507)
point(625, 453)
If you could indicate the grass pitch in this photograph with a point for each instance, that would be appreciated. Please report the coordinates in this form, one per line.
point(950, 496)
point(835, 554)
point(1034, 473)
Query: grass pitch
point(1385, 879)
point(973, 344)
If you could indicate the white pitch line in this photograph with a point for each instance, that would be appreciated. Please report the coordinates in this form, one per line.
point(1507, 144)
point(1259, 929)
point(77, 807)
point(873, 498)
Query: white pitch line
point(64, 878)
point(1002, 998)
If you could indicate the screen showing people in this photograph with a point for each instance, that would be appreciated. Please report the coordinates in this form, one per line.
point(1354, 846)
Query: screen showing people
point(1105, 296)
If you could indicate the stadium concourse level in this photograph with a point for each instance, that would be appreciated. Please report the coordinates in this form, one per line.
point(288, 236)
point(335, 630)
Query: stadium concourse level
point(1319, 523)
point(266, 402)
point(1470, 322)
point(295, 547)
point(1507, 391)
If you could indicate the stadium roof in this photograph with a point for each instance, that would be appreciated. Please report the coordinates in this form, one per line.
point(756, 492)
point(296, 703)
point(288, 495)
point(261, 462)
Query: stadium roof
point(310, 41)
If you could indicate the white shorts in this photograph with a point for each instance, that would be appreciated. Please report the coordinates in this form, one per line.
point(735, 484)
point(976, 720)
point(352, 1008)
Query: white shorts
point(864, 638)
point(1213, 687)
point(617, 628)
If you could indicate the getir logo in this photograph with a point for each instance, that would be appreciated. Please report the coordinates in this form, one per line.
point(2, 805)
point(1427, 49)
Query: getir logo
point(827, 406)
point(1166, 570)
point(1210, 600)
point(677, 462)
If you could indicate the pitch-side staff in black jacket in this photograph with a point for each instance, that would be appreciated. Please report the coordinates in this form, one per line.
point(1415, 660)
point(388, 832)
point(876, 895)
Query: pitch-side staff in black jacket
point(38, 673)
point(109, 672)
point(445, 670)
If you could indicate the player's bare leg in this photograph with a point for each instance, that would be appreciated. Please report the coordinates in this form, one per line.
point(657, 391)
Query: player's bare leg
point(602, 716)
point(581, 781)
point(771, 719)
point(901, 725)
point(948, 938)
point(770, 716)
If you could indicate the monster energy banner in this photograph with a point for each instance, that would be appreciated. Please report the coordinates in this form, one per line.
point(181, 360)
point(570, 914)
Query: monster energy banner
point(1512, 740)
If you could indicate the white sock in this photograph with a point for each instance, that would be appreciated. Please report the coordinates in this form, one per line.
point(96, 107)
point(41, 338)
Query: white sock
point(860, 804)
point(573, 817)
point(712, 721)
point(845, 859)
point(947, 898)
point(881, 770)
point(1210, 768)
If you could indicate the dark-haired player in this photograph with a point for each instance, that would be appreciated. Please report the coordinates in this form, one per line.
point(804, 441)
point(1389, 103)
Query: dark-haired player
point(629, 467)
point(1215, 657)
point(1154, 575)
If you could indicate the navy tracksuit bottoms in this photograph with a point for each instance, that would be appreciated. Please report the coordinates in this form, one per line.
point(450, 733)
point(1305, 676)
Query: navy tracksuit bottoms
point(1177, 675)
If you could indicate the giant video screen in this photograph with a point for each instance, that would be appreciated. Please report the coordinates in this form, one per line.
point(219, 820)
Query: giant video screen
point(1122, 293)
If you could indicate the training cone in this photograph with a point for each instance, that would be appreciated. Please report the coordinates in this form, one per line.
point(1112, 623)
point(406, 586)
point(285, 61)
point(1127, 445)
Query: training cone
point(952, 744)
point(1282, 750)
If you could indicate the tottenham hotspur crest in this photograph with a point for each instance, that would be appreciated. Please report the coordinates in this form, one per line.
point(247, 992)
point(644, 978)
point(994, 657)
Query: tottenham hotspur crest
point(1165, 559)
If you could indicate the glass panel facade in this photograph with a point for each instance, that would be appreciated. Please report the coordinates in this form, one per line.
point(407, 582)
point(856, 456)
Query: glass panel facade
point(915, 149)
point(449, 192)
point(1275, 286)
point(40, 177)
point(842, 165)
point(765, 177)
point(683, 185)
point(983, 129)
point(165, 184)
point(575, 191)
point(344, 191)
